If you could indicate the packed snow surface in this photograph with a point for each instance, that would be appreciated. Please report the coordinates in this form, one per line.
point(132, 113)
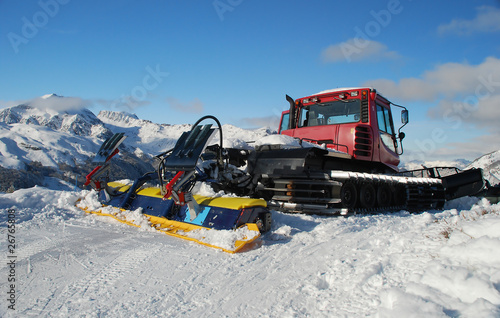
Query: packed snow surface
point(431, 264)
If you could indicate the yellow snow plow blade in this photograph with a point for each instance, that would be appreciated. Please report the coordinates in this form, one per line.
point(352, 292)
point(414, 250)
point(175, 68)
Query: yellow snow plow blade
point(242, 239)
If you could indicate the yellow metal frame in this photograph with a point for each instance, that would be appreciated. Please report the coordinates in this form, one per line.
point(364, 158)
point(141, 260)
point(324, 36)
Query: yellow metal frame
point(177, 229)
point(235, 203)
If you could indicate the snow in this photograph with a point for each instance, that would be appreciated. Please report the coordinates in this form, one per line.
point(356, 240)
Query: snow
point(284, 140)
point(58, 184)
point(51, 137)
point(20, 143)
point(288, 142)
point(341, 89)
point(431, 264)
point(490, 163)
point(225, 239)
point(204, 189)
point(47, 96)
point(415, 165)
point(153, 138)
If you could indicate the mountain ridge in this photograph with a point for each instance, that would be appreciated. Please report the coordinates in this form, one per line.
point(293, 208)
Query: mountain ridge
point(71, 136)
point(46, 142)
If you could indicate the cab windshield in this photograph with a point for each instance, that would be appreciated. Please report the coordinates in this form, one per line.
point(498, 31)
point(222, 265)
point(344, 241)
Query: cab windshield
point(331, 113)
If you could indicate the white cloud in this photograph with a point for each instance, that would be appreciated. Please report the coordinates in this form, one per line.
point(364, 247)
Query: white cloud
point(194, 106)
point(54, 102)
point(466, 97)
point(357, 49)
point(482, 112)
point(450, 80)
point(486, 20)
point(258, 122)
point(470, 149)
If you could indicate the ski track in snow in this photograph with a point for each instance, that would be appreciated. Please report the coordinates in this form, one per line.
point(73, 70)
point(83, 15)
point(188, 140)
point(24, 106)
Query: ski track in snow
point(82, 293)
point(432, 264)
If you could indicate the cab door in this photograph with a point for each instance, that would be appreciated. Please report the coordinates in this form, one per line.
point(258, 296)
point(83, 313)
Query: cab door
point(284, 122)
point(387, 139)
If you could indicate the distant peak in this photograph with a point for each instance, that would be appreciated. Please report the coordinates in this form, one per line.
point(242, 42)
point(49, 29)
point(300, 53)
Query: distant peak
point(50, 95)
point(117, 115)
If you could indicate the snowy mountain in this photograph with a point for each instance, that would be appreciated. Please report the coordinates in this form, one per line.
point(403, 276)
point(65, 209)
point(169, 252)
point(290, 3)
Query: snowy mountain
point(416, 164)
point(51, 137)
point(152, 138)
point(490, 163)
point(45, 141)
point(80, 122)
point(22, 143)
point(48, 133)
point(143, 136)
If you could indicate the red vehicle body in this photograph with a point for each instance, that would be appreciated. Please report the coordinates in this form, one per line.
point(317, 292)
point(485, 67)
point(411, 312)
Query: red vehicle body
point(357, 121)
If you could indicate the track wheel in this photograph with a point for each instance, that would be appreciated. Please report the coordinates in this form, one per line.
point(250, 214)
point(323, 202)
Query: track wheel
point(367, 196)
point(384, 195)
point(349, 195)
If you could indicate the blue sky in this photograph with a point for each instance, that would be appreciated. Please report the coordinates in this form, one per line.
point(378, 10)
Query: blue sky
point(174, 61)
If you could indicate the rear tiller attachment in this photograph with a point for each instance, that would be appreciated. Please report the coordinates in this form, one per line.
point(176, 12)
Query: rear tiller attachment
point(171, 206)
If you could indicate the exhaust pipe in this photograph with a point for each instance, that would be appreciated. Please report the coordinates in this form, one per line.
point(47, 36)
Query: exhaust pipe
point(291, 122)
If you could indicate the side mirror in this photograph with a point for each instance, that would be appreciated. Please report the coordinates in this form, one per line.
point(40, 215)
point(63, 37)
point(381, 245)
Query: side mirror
point(404, 116)
point(401, 135)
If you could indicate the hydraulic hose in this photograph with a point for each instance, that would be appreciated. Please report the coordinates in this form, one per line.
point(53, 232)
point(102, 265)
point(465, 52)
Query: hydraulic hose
point(220, 134)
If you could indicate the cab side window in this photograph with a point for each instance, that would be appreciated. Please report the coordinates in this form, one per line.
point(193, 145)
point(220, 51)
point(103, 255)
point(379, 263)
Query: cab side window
point(384, 120)
point(284, 122)
point(381, 118)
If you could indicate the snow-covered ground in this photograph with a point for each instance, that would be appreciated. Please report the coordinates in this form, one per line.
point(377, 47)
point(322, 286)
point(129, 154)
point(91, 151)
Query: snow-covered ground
point(431, 264)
